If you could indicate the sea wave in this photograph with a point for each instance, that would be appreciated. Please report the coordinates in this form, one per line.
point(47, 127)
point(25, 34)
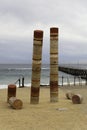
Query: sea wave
point(25, 68)
point(72, 83)
point(13, 69)
point(5, 86)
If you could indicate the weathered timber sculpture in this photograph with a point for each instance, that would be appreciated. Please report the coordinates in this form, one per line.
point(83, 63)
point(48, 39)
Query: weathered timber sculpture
point(36, 66)
point(77, 99)
point(11, 91)
point(53, 64)
point(15, 103)
point(69, 95)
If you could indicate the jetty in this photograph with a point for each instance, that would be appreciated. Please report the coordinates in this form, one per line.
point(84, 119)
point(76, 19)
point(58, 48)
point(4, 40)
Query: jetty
point(74, 71)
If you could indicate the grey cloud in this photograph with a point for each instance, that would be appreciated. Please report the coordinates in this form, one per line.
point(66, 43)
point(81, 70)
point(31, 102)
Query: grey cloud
point(72, 52)
point(16, 51)
point(19, 18)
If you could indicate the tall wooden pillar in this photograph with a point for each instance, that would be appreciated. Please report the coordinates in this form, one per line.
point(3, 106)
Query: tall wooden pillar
point(36, 66)
point(53, 64)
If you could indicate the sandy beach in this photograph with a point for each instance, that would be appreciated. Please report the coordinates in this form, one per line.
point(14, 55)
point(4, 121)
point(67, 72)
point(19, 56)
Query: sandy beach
point(63, 115)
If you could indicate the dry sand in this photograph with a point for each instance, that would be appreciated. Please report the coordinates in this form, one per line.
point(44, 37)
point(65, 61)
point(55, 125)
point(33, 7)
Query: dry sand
point(62, 115)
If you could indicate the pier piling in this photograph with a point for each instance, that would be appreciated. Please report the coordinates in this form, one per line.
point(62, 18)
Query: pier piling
point(22, 81)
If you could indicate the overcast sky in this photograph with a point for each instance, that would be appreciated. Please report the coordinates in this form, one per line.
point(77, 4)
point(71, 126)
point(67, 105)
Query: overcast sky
point(19, 18)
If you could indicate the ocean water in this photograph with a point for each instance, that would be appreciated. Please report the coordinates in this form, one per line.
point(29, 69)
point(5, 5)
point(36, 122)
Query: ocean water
point(10, 73)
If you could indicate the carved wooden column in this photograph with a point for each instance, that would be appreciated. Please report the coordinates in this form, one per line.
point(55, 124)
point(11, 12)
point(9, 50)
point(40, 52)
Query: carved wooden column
point(36, 66)
point(54, 64)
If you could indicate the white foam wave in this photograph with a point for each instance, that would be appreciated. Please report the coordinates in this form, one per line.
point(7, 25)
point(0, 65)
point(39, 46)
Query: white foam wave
point(72, 83)
point(19, 68)
point(3, 86)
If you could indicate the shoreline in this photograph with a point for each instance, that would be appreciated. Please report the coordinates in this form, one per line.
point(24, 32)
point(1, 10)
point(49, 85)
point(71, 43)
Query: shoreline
point(4, 86)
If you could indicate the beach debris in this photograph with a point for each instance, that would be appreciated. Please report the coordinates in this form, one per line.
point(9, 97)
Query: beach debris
point(54, 64)
point(69, 95)
point(11, 91)
point(77, 99)
point(15, 103)
point(36, 66)
point(62, 109)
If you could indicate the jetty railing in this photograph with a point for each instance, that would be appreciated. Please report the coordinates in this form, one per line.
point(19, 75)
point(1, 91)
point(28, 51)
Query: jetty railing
point(20, 81)
point(63, 81)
